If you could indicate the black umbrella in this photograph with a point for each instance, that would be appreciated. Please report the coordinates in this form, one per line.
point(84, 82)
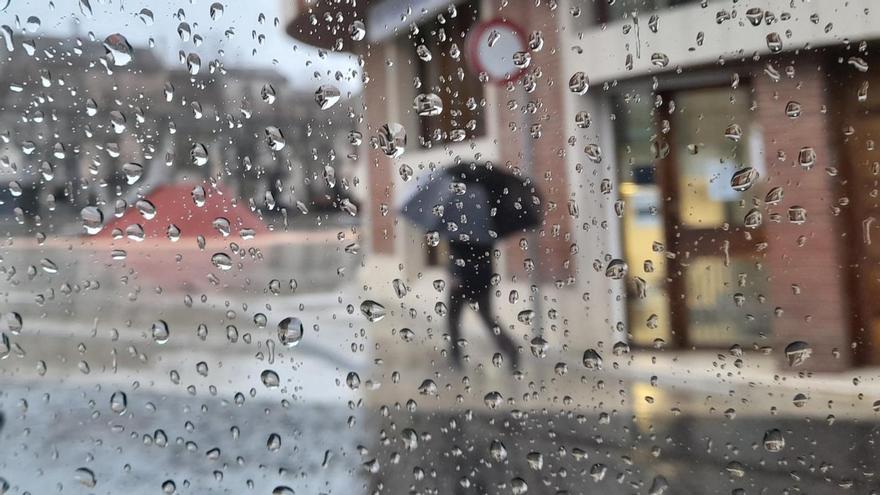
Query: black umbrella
point(474, 203)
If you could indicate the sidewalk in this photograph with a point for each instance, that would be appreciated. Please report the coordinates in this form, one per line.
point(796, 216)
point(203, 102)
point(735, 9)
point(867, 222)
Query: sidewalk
point(701, 383)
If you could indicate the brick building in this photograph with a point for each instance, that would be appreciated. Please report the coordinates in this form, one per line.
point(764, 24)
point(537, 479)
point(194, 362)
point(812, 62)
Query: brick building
point(724, 151)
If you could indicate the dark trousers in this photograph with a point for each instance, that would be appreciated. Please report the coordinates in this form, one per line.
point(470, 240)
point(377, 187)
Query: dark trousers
point(458, 298)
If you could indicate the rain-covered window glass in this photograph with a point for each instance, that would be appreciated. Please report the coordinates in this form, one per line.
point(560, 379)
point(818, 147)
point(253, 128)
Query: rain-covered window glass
point(436, 48)
point(439, 247)
point(619, 9)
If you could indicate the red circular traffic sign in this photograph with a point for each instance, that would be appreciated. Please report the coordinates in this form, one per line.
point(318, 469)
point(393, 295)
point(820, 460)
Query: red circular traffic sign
point(490, 47)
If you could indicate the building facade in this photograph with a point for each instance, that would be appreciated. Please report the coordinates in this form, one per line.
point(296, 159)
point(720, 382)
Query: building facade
point(723, 150)
point(66, 149)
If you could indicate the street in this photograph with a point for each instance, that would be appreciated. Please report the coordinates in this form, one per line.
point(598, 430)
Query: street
point(210, 431)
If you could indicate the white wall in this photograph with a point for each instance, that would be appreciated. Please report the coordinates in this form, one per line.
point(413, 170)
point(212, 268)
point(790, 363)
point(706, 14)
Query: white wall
point(605, 47)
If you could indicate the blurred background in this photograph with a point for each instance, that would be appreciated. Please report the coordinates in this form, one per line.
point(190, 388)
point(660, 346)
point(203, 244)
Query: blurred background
point(210, 283)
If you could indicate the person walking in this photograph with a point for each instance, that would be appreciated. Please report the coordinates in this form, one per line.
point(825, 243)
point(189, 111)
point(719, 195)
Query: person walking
point(471, 273)
point(473, 206)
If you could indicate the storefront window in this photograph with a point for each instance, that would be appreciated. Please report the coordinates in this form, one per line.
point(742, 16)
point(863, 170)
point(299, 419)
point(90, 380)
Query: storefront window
point(680, 152)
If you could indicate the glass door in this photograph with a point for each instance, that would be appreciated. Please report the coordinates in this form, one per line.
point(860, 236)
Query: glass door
point(711, 183)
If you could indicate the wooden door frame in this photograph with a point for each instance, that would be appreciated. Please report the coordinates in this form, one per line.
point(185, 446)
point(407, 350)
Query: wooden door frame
point(859, 301)
point(666, 171)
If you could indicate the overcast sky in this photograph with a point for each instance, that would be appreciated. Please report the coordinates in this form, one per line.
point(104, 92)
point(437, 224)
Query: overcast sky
point(297, 62)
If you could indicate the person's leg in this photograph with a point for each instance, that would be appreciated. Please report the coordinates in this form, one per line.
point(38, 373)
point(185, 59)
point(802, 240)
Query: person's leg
point(507, 344)
point(457, 300)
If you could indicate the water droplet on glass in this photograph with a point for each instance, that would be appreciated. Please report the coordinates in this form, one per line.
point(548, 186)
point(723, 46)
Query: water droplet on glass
point(858, 63)
point(428, 105)
point(48, 265)
point(774, 42)
point(222, 261)
point(399, 287)
point(275, 138)
point(535, 460)
point(267, 93)
point(216, 11)
point(133, 172)
point(193, 63)
point(526, 316)
point(592, 360)
point(357, 31)
point(659, 486)
point(353, 380)
point(6, 31)
point(753, 219)
point(583, 120)
point(5, 346)
point(617, 269)
point(118, 49)
point(579, 83)
point(222, 225)
point(432, 238)
point(372, 310)
point(593, 152)
point(797, 353)
point(198, 195)
point(199, 154)
point(807, 157)
point(539, 347)
point(654, 23)
point(797, 215)
point(773, 440)
point(160, 332)
point(326, 96)
point(92, 219)
point(146, 16)
point(290, 331)
point(497, 451)
point(743, 179)
point(423, 53)
point(85, 477)
point(32, 24)
point(135, 232)
point(774, 196)
point(493, 399)
point(270, 379)
point(755, 15)
point(348, 206)
point(13, 322)
point(118, 402)
point(145, 208)
point(184, 31)
point(273, 443)
point(659, 59)
point(392, 139)
point(428, 387)
point(733, 132)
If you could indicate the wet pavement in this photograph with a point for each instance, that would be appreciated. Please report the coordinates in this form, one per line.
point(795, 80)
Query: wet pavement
point(200, 415)
point(49, 434)
point(340, 448)
point(563, 452)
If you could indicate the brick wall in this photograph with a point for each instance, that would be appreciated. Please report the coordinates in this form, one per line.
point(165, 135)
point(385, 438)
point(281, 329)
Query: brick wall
point(548, 159)
point(819, 314)
point(380, 182)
